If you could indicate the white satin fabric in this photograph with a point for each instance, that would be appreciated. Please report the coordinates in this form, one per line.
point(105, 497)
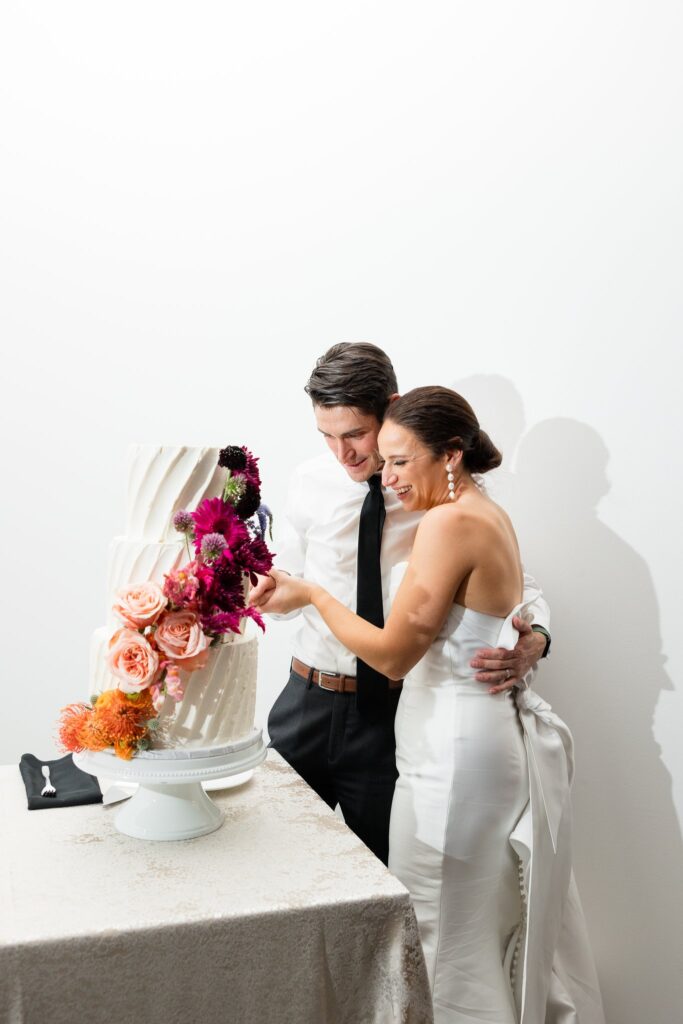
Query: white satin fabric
point(481, 835)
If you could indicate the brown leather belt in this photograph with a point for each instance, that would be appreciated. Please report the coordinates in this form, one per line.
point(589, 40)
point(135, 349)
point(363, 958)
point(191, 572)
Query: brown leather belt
point(335, 681)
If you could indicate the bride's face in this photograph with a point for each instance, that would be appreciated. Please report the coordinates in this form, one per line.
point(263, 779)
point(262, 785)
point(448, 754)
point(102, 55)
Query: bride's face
point(417, 477)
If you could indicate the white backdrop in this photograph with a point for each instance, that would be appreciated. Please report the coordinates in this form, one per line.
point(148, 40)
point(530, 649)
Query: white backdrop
point(197, 200)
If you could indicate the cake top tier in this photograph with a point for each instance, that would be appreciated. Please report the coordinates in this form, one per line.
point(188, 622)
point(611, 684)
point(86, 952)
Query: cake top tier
point(162, 480)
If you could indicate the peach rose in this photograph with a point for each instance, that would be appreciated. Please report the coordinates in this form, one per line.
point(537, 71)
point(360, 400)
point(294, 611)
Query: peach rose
point(180, 637)
point(139, 604)
point(132, 660)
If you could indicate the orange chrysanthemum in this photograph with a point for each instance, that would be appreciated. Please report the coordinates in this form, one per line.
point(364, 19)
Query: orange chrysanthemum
point(71, 724)
point(78, 729)
point(122, 718)
point(124, 749)
point(92, 735)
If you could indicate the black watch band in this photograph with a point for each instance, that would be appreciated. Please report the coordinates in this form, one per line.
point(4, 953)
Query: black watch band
point(546, 634)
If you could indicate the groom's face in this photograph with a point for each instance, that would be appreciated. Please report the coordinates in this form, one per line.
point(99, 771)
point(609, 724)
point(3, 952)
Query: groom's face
point(351, 436)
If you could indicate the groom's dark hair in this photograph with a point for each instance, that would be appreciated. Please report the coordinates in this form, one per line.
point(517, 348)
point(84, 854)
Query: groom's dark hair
point(353, 373)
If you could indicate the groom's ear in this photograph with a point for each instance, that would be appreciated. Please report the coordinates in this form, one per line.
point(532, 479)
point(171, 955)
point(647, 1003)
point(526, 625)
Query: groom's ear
point(392, 398)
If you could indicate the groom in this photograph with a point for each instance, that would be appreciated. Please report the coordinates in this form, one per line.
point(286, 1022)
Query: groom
point(334, 720)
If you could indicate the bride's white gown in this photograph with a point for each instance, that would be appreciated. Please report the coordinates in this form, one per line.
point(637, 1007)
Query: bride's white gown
point(481, 836)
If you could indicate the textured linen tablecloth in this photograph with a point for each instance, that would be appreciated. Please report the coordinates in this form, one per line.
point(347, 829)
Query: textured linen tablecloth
point(280, 916)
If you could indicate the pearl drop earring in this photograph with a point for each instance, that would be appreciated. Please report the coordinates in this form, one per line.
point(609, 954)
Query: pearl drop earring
point(451, 478)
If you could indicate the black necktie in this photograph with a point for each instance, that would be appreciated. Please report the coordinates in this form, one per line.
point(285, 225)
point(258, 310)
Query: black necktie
point(372, 686)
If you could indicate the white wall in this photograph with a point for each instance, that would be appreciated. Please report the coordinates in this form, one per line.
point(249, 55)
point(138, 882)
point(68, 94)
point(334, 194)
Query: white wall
point(198, 199)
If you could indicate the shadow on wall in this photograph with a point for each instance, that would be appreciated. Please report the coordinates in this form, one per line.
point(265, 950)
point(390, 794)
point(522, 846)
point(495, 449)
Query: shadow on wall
point(604, 679)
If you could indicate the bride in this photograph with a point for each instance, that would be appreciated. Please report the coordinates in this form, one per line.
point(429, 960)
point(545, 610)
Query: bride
point(481, 818)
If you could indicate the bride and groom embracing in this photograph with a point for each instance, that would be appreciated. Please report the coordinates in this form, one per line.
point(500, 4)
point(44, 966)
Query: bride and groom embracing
point(413, 713)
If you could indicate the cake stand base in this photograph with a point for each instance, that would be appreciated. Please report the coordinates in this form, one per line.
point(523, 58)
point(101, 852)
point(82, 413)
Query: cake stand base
point(170, 803)
point(169, 811)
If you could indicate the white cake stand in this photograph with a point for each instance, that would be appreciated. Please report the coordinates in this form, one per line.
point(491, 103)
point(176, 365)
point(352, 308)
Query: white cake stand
point(170, 802)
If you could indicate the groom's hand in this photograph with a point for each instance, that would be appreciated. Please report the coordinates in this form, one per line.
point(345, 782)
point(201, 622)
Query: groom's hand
point(503, 669)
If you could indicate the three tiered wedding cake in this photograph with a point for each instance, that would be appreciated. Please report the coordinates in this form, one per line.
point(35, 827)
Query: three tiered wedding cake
point(174, 669)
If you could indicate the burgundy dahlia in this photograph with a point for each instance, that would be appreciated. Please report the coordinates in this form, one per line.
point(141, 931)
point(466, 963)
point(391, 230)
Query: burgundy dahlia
point(255, 556)
point(249, 503)
point(220, 622)
point(251, 473)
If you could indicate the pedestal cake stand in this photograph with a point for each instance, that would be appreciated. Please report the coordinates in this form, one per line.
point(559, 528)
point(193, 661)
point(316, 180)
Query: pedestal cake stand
point(170, 802)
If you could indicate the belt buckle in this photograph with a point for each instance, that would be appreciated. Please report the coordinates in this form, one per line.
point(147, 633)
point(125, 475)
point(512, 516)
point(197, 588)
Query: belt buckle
point(330, 689)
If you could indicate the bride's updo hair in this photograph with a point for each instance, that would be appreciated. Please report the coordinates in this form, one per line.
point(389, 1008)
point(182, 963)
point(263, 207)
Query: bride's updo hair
point(444, 422)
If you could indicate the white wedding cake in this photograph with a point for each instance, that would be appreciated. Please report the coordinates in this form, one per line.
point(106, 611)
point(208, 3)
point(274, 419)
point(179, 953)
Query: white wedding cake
point(217, 706)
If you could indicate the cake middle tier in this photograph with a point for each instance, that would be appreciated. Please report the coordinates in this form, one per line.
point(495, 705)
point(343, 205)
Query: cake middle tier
point(137, 561)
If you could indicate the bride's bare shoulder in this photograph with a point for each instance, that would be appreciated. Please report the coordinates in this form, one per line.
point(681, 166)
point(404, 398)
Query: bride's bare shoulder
point(458, 518)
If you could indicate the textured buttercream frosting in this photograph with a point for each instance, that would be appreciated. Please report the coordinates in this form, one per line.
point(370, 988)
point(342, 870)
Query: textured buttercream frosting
point(162, 480)
point(219, 700)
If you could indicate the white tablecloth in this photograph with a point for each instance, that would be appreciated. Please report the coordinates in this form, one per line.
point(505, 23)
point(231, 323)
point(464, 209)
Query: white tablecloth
point(280, 916)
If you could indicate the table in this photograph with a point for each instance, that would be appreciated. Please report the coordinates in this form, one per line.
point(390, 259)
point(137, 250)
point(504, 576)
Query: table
point(281, 916)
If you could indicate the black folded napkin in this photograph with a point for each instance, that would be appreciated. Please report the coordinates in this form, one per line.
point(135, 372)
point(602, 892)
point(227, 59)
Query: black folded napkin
point(73, 786)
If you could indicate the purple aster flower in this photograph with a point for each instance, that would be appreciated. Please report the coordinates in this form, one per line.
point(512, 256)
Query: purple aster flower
point(182, 521)
point(212, 546)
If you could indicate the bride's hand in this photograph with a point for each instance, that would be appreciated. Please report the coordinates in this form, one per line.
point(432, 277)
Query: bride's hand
point(285, 594)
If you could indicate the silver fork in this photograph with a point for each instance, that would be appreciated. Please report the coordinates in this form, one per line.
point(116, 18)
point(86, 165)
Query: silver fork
point(48, 789)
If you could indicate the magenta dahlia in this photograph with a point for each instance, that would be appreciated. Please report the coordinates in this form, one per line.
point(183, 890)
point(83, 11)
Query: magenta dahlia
point(217, 516)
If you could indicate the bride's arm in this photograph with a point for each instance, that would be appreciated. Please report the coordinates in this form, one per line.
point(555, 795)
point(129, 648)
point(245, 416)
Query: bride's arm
point(442, 555)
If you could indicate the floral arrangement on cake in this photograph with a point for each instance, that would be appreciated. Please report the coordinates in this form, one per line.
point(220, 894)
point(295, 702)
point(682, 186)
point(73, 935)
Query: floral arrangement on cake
point(168, 630)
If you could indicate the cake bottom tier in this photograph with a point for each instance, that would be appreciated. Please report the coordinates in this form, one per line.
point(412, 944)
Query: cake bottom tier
point(219, 701)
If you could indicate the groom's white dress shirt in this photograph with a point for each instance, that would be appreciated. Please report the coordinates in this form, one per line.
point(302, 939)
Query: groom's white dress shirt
point(320, 543)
